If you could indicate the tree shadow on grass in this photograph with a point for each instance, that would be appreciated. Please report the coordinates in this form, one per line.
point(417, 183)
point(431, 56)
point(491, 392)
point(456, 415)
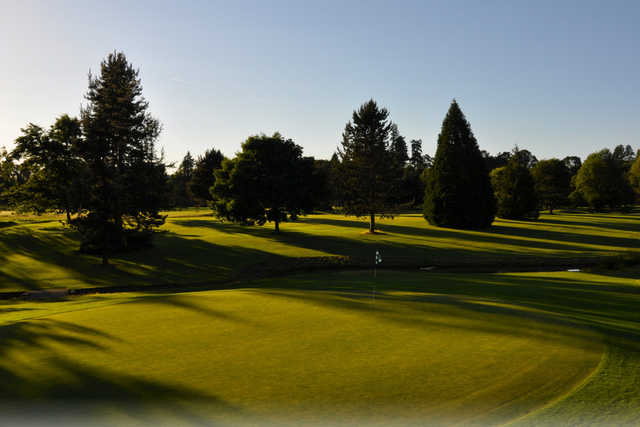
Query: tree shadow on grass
point(175, 259)
point(499, 234)
point(56, 384)
point(582, 305)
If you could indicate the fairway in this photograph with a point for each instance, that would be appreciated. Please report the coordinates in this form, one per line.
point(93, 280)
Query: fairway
point(193, 248)
point(476, 349)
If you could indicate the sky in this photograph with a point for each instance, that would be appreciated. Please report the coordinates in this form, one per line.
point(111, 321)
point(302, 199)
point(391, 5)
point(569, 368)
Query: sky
point(557, 78)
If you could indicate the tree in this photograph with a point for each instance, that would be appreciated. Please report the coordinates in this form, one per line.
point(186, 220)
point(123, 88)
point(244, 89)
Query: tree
point(126, 178)
point(514, 188)
point(398, 147)
point(624, 155)
point(602, 182)
point(57, 173)
point(369, 176)
point(573, 164)
point(458, 193)
point(552, 182)
point(180, 183)
point(634, 175)
point(497, 161)
point(269, 180)
point(322, 193)
point(203, 177)
point(417, 159)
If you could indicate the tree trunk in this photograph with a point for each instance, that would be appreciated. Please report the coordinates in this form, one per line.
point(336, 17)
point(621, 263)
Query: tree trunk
point(550, 210)
point(277, 226)
point(372, 224)
point(68, 216)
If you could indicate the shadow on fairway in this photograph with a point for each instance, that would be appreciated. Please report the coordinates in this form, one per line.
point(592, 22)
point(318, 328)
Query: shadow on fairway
point(583, 305)
point(58, 383)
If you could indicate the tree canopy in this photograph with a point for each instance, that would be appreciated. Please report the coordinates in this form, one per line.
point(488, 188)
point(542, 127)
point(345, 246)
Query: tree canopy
point(203, 175)
point(514, 188)
point(268, 180)
point(458, 192)
point(552, 183)
point(602, 182)
point(56, 178)
point(370, 169)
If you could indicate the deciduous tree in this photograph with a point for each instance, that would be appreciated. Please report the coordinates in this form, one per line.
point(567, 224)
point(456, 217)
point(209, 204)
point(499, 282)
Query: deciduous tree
point(552, 182)
point(514, 188)
point(203, 177)
point(269, 180)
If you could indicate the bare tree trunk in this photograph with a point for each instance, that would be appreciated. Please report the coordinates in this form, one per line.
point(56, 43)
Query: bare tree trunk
point(372, 223)
point(277, 226)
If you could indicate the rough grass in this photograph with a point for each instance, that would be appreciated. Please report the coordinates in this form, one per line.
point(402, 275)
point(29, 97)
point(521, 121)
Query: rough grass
point(193, 247)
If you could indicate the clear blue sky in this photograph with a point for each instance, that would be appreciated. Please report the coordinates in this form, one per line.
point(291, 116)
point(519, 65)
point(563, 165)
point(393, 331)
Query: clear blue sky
point(557, 78)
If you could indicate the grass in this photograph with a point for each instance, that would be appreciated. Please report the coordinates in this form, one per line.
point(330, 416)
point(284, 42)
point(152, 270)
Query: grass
point(526, 348)
point(537, 348)
point(36, 252)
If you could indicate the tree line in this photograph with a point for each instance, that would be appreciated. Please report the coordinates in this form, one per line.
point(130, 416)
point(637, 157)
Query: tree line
point(104, 172)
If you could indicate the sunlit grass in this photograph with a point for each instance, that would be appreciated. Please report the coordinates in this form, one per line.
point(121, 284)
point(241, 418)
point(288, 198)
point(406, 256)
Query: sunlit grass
point(339, 346)
point(193, 247)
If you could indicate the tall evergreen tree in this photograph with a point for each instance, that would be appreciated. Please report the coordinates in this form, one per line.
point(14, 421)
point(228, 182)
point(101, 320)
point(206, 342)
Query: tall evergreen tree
point(126, 178)
point(180, 183)
point(369, 177)
point(458, 193)
point(417, 160)
point(398, 147)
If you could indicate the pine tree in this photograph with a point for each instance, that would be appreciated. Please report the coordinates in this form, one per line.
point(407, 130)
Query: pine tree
point(126, 178)
point(459, 193)
point(369, 177)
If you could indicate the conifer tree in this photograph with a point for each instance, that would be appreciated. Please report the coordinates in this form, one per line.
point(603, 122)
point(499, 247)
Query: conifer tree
point(369, 178)
point(126, 178)
point(458, 193)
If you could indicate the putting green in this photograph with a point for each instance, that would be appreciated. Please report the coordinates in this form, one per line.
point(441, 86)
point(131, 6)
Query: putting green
point(268, 354)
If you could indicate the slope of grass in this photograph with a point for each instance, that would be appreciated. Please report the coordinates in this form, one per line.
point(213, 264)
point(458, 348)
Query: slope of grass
point(194, 247)
point(338, 346)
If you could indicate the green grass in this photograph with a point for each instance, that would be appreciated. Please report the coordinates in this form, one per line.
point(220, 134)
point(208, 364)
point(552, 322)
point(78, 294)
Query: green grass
point(528, 348)
point(193, 247)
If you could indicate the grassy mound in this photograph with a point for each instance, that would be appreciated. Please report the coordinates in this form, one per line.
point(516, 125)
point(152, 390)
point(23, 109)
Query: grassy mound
point(312, 348)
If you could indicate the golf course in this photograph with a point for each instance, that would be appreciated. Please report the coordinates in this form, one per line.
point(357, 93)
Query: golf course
point(231, 324)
